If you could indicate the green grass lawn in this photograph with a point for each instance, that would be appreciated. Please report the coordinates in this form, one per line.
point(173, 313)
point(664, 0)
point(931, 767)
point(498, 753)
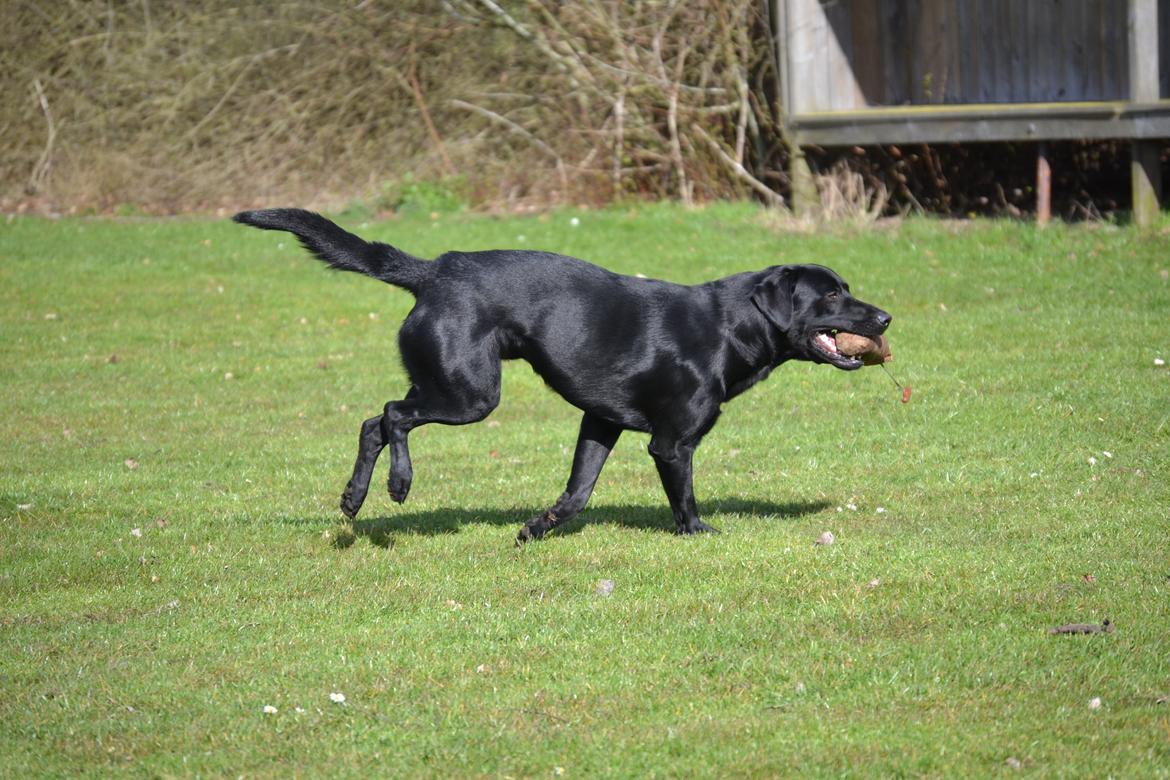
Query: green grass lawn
point(181, 409)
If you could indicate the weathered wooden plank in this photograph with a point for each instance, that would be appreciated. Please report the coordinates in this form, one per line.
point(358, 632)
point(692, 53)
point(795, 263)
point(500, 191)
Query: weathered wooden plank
point(979, 123)
point(1094, 39)
point(867, 52)
point(778, 10)
point(896, 33)
point(844, 92)
point(1164, 50)
point(1030, 19)
point(1142, 21)
point(823, 75)
point(1055, 27)
point(928, 58)
point(1074, 84)
point(1115, 74)
point(803, 57)
point(968, 51)
point(1017, 45)
point(1044, 49)
point(989, 63)
point(953, 93)
point(1005, 53)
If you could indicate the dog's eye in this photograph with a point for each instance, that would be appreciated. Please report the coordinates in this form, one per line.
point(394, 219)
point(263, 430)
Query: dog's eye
point(832, 296)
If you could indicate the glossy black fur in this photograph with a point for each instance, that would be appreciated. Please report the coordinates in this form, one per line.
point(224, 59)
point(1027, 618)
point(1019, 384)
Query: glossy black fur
point(631, 353)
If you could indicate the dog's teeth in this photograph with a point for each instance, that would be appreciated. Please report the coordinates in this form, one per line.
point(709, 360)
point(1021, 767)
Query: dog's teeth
point(826, 342)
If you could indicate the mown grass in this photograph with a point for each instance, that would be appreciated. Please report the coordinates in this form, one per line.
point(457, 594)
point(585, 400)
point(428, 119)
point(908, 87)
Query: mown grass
point(182, 401)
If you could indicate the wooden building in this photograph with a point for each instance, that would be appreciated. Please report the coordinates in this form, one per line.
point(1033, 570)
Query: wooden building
point(857, 72)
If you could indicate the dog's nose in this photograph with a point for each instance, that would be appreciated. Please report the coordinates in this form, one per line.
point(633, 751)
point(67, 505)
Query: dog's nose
point(883, 319)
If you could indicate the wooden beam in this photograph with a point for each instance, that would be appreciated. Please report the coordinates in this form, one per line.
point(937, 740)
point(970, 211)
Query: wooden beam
point(984, 123)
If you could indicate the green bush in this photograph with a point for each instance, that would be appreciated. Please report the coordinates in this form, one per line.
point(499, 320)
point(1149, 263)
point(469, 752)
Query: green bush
point(410, 195)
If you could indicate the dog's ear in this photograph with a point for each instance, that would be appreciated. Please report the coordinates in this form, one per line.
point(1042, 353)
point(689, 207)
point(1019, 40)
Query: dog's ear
point(773, 297)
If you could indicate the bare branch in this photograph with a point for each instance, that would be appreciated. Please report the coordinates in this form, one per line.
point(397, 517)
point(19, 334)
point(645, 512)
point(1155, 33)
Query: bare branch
point(40, 171)
point(737, 168)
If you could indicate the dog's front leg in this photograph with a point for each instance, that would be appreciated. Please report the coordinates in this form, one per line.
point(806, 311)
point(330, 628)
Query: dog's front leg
point(594, 443)
point(674, 461)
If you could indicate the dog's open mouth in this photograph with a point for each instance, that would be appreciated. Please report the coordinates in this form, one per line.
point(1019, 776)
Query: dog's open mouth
point(825, 342)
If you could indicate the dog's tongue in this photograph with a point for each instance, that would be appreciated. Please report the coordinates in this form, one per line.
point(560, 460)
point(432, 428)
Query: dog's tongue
point(826, 342)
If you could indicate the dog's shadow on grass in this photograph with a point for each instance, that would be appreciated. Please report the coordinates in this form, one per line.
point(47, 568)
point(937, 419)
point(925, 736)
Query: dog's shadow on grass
point(380, 529)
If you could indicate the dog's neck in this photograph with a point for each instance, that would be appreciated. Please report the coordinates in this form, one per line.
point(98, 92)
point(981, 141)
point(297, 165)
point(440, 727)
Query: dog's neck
point(755, 344)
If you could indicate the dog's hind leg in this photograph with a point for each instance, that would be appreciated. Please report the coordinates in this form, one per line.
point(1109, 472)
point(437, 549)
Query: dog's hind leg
point(371, 441)
point(594, 444)
point(453, 386)
point(401, 417)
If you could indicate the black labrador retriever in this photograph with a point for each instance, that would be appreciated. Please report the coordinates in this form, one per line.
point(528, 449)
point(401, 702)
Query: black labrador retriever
point(631, 353)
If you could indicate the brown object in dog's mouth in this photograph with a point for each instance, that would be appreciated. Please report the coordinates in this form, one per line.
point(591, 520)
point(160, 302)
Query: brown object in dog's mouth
point(871, 352)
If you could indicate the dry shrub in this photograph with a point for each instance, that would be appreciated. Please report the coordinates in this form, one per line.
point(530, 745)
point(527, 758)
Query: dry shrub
point(211, 103)
point(208, 103)
point(846, 196)
point(1089, 178)
point(639, 99)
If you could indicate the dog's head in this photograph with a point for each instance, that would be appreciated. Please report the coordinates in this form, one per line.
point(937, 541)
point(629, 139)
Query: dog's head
point(809, 304)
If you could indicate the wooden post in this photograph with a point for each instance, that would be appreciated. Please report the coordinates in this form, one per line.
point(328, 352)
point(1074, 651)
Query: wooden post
point(1145, 168)
point(805, 200)
point(1043, 186)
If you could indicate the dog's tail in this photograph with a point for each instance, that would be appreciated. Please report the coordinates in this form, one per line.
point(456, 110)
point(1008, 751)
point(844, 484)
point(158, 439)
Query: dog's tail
point(342, 250)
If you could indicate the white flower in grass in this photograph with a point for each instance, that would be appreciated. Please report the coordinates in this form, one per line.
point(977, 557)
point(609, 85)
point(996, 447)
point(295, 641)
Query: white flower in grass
point(1095, 703)
point(337, 698)
point(136, 532)
point(269, 709)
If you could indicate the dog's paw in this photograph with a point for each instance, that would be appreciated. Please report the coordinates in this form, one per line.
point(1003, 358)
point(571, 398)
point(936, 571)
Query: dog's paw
point(537, 527)
point(696, 527)
point(529, 533)
point(350, 503)
point(399, 486)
